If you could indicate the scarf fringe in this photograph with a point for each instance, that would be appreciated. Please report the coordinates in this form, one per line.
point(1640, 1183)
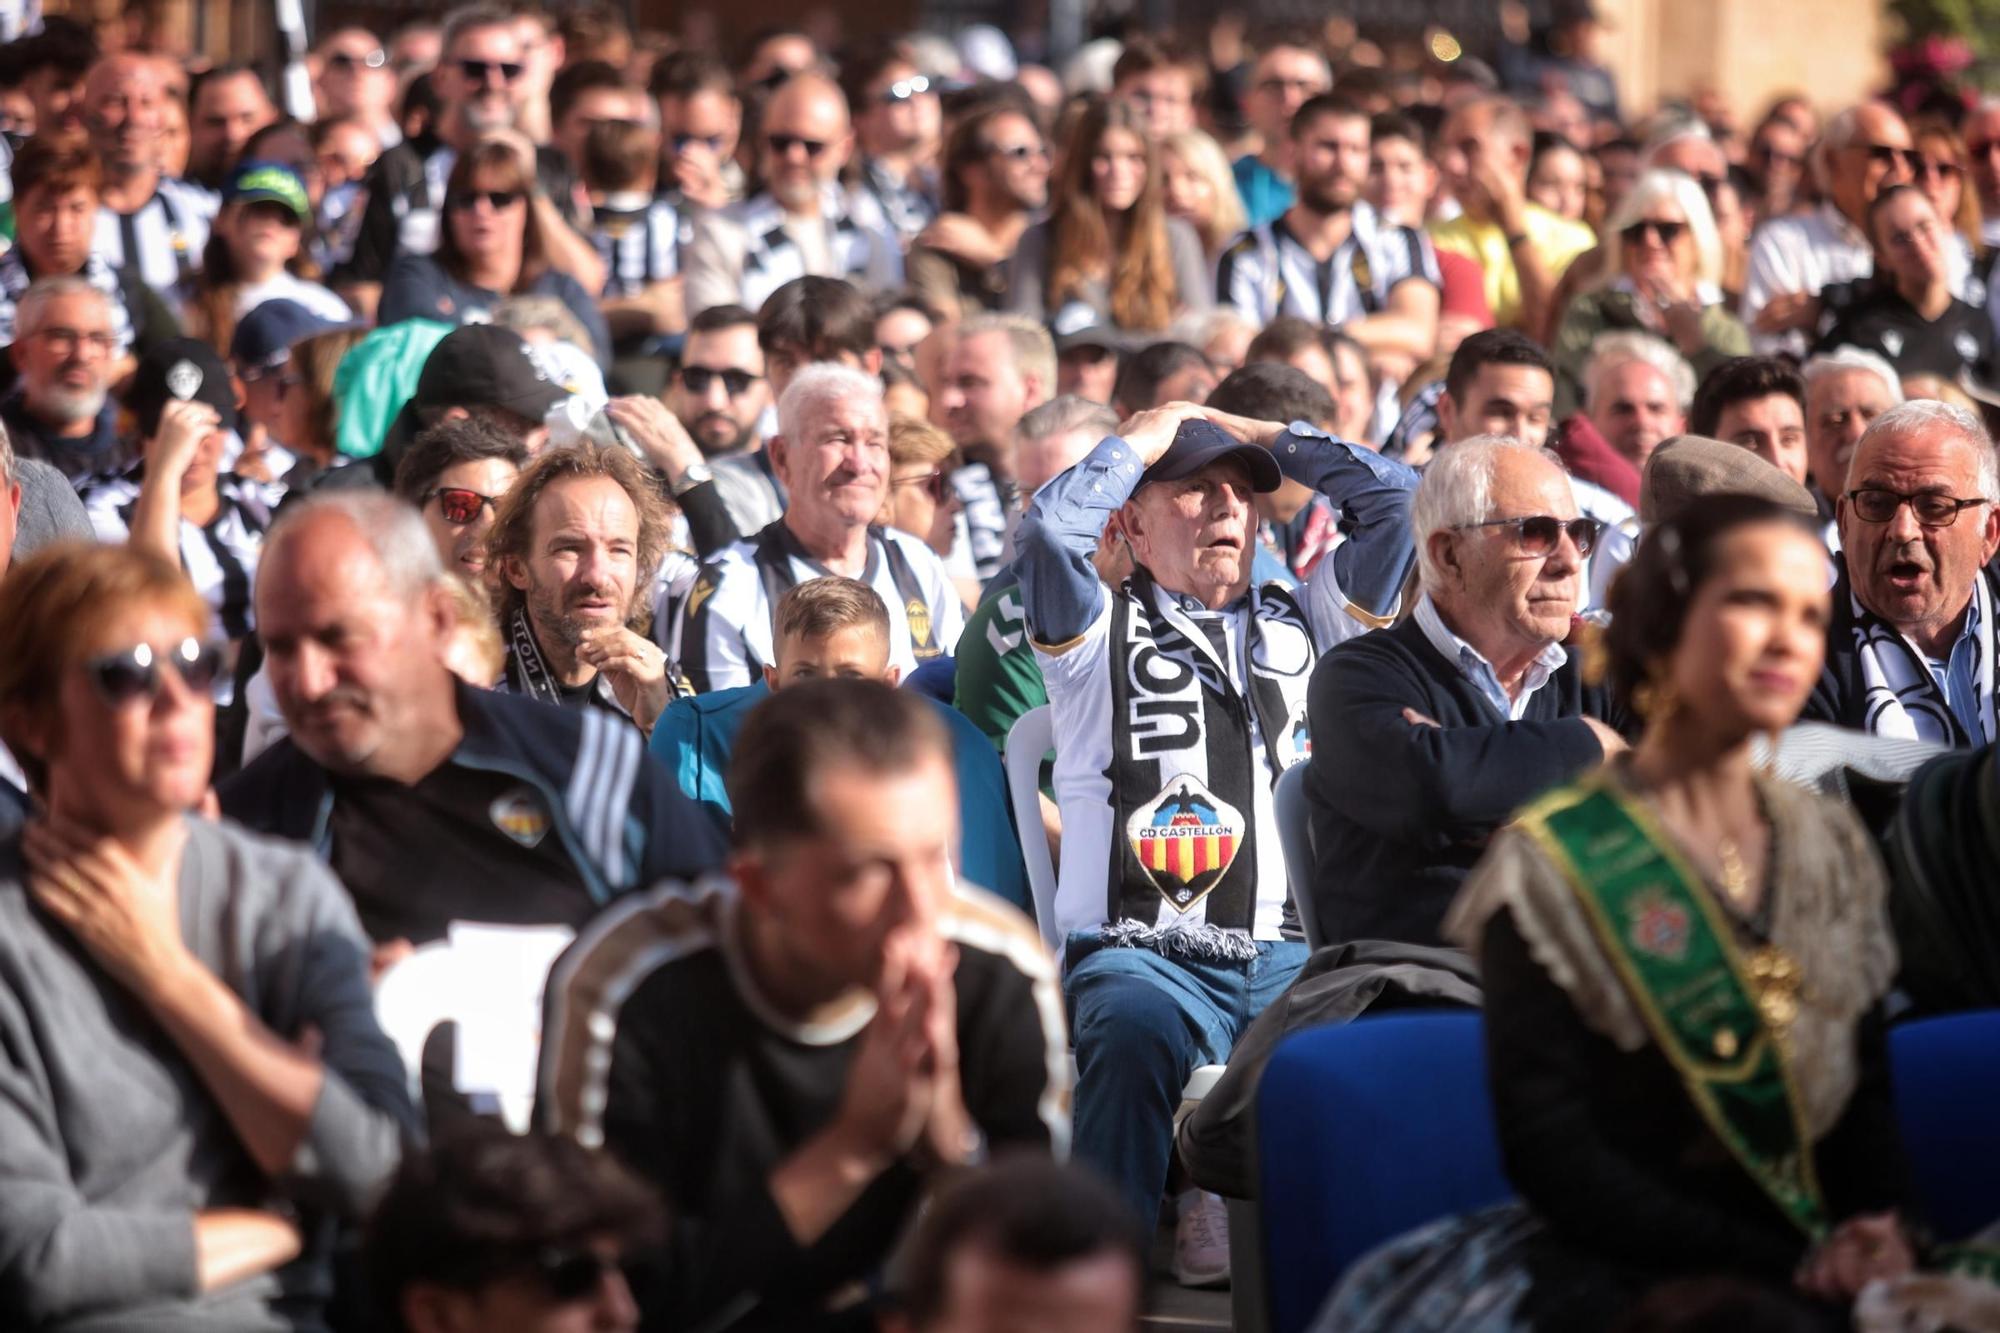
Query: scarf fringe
point(1202, 943)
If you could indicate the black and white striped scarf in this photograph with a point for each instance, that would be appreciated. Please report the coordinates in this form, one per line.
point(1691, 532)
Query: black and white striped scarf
point(1902, 697)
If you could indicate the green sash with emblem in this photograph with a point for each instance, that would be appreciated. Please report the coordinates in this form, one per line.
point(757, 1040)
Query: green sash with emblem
point(1718, 1016)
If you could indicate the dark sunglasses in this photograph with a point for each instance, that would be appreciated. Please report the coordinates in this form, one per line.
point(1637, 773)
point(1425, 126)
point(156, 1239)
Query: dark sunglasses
point(1889, 155)
point(782, 144)
point(904, 89)
point(1932, 508)
point(1540, 534)
point(501, 200)
point(1666, 233)
point(1018, 152)
point(735, 382)
point(344, 60)
point(477, 70)
point(572, 1275)
point(460, 504)
point(1930, 168)
point(1772, 156)
point(134, 673)
point(935, 484)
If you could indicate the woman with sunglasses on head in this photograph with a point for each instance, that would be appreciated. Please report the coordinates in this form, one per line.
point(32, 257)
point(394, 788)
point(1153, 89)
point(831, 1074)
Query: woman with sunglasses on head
point(1684, 960)
point(196, 1090)
point(490, 246)
point(1661, 274)
point(1108, 244)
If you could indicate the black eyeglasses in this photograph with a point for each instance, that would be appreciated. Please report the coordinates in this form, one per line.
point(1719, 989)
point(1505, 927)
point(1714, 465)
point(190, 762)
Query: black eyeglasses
point(783, 144)
point(571, 1275)
point(478, 70)
point(1018, 152)
point(904, 89)
point(499, 200)
point(1934, 509)
point(122, 677)
point(1666, 233)
point(461, 504)
point(375, 59)
point(1540, 534)
point(735, 382)
point(1889, 155)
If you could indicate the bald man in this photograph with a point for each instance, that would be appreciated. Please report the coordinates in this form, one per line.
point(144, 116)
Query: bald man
point(1865, 149)
point(802, 223)
point(145, 219)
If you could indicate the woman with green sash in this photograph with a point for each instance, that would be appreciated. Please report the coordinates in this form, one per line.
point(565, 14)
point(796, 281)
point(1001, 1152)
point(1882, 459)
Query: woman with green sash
point(1684, 960)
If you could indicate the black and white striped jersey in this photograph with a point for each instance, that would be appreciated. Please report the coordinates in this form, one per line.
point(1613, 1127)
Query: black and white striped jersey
point(1267, 272)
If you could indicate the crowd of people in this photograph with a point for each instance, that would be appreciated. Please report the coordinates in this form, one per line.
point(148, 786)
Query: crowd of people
point(526, 544)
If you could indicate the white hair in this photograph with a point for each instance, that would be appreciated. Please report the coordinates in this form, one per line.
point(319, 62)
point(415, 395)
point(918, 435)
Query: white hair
point(1847, 360)
point(1456, 490)
point(29, 314)
point(1624, 346)
point(6, 461)
point(393, 529)
point(818, 387)
point(1926, 415)
point(1681, 190)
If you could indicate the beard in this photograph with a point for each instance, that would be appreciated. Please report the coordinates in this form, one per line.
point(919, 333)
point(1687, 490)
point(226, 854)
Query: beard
point(718, 435)
point(485, 113)
point(68, 406)
point(554, 612)
point(797, 194)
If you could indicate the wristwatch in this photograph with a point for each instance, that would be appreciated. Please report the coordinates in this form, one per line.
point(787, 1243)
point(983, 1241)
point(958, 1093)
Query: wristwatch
point(691, 476)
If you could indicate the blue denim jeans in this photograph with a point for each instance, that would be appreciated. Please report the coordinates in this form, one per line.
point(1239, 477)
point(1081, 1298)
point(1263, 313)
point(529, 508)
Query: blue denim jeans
point(1141, 1023)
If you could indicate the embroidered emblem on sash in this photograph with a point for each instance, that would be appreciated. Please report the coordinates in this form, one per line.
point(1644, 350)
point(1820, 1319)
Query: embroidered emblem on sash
point(1659, 928)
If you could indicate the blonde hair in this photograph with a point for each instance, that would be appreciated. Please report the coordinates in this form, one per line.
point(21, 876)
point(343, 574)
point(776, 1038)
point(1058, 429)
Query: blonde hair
point(915, 441)
point(1679, 189)
point(819, 607)
point(477, 627)
point(1202, 155)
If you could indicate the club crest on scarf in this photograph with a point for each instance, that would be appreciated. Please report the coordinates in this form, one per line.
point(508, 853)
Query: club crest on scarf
point(1186, 838)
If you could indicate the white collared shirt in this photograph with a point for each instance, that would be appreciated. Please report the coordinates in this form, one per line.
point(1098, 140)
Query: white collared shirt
point(1473, 664)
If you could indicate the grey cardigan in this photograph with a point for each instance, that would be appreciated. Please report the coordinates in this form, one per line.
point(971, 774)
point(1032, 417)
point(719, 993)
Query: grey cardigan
point(1027, 285)
point(109, 1140)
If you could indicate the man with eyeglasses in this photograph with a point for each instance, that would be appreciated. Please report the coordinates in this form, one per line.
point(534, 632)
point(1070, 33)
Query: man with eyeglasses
point(1428, 735)
point(719, 395)
point(66, 341)
point(1913, 644)
point(480, 85)
point(802, 223)
point(996, 180)
point(1906, 310)
point(897, 119)
point(355, 82)
point(146, 220)
point(1289, 71)
point(1865, 149)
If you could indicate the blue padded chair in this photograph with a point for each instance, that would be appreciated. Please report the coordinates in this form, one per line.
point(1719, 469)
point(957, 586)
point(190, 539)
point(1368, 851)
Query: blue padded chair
point(1946, 1077)
point(1367, 1130)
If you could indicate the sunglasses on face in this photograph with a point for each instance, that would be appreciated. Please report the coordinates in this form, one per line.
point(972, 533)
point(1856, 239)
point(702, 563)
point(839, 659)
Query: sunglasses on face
point(1933, 509)
point(1772, 157)
point(572, 1275)
point(735, 383)
point(935, 484)
point(1890, 156)
point(347, 60)
point(783, 144)
point(460, 504)
point(479, 70)
point(499, 200)
point(904, 89)
point(1665, 233)
point(135, 673)
point(1018, 152)
point(1933, 168)
point(1540, 534)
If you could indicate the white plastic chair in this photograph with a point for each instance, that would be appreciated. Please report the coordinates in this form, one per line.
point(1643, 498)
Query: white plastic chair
point(1295, 835)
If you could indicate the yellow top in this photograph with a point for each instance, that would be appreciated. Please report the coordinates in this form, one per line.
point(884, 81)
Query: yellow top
point(1556, 240)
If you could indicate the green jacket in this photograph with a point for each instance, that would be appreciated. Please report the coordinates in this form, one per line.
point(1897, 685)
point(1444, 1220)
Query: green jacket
point(1609, 311)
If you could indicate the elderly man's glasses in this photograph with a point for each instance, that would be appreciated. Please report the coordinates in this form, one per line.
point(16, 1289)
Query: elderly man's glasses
point(135, 673)
point(1888, 155)
point(783, 144)
point(64, 342)
point(459, 504)
point(1934, 509)
point(1540, 534)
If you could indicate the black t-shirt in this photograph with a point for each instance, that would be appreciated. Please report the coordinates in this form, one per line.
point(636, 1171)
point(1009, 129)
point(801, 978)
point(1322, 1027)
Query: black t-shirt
point(708, 1092)
point(463, 844)
point(1872, 315)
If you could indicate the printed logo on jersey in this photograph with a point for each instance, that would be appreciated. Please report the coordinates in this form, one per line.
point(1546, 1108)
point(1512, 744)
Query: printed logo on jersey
point(1186, 839)
point(520, 816)
point(920, 622)
point(704, 588)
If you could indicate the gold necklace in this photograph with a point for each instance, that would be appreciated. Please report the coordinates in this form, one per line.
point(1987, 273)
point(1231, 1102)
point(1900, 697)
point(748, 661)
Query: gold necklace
point(1735, 876)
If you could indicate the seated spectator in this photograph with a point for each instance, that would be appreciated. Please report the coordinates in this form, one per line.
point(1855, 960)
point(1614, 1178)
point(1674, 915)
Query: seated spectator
point(1162, 372)
point(576, 541)
point(921, 500)
point(66, 346)
point(802, 223)
point(832, 456)
point(1907, 311)
point(456, 475)
point(476, 370)
point(256, 253)
point(1845, 391)
point(902, 322)
point(1108, 244)
point(1402, 178)
point(1661, 269)
point(500, 809)
point(1428, 735)
point(1631, 1153)
point(1087, 357)
point(1159, 80)
point(996, 178)
point(636, 233)
point(1636, 393)
point(226, 105)
point(1910, 646)
point(525, 1233)
point(200, 1092)
point(286, 359)
point(1556, 177)
point(148, 220)
point(998, 369)
point(866, 1024)
point(1023, 1244)
point(720, 395)
point(1200, 190)
point(700, 120)
point(490, 245)
point(1288, 70)
point(838, 627)
point(177, 501)
point(1178, 700)
point(1760, 403)
point(897, 118)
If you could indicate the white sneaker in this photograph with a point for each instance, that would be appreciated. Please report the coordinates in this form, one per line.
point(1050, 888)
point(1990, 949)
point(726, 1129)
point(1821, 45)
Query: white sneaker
point(1201, 1241)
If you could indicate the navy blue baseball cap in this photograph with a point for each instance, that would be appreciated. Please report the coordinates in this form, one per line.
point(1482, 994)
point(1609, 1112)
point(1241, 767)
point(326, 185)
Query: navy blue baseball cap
point(265, 337)
point(1198, 443)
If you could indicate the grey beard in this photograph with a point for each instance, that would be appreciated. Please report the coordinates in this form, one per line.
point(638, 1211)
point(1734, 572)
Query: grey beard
point(68, 406)
point(477, 119)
